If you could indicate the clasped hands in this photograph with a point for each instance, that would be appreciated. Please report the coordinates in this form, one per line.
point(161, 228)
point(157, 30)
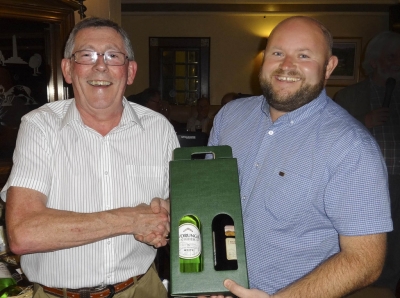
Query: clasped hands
point(154, 221)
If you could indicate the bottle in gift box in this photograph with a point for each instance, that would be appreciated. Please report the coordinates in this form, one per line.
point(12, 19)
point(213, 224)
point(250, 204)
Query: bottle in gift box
point(224, 242)
point(190, 249)
point(3, 236)
point(8, 286)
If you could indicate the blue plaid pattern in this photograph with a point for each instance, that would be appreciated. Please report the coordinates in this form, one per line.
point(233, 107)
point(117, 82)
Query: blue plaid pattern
point(311, 175)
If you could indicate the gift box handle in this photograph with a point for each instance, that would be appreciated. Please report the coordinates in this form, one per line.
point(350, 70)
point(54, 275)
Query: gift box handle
point(218, 152)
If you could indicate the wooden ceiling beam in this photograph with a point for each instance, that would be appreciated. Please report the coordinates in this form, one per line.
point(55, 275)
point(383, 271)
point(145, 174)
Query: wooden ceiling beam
point(252, 8)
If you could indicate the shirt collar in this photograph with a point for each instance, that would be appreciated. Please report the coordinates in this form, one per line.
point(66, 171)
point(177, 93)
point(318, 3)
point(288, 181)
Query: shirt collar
point(301, 113)
point(129, 115)
point(70, 115)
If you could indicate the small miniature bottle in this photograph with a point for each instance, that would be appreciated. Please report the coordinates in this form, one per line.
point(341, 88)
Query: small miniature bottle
point(190, 249)
point(224, 242)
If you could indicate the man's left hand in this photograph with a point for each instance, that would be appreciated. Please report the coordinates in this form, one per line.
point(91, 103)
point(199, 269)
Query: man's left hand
point(240, 291)
point(157, 203)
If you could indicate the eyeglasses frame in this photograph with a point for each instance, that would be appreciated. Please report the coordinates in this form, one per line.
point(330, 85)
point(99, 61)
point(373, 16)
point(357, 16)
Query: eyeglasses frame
point(99, 54)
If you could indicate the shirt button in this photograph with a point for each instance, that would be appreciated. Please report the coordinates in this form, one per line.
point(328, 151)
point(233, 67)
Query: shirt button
point(257, 165)
point(271, 132)
point(106, 173)
point(244, 198)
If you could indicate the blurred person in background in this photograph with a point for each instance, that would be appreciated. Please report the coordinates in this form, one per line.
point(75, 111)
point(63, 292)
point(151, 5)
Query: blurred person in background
point(364, 101)
point(200, 122)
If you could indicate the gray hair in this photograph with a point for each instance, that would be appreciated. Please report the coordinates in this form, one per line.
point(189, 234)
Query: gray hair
point(375, 47)
point(97, 22)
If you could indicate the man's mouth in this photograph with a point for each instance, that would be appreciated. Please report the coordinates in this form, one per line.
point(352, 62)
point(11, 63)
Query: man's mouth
point(287, 79)
point(99, 83)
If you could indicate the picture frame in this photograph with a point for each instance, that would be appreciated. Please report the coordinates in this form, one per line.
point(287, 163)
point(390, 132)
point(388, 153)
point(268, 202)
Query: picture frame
point(348, 51)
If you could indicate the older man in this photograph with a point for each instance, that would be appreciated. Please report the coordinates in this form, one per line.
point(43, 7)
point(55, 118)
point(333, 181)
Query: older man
point(364, 101)
point(79, 197)
point(312, 179)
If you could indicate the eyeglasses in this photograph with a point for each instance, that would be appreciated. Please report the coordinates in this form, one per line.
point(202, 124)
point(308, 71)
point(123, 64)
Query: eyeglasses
point(88, 57)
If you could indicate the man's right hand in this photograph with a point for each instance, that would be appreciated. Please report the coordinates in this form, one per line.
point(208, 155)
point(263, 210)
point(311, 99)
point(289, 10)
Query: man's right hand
point(151, 224)
point(377, 117)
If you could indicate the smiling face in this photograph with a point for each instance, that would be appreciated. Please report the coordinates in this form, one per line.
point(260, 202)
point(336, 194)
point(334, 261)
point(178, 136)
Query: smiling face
point(296, 64)
point(98, 88)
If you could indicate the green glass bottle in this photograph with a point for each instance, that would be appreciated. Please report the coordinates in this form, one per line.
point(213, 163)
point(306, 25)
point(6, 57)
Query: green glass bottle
point(8, 286)
point(190, 249)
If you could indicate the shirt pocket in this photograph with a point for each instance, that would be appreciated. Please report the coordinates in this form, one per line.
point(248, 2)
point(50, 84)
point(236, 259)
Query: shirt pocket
point(288, 195)
point(145, 171)
point(147, 181)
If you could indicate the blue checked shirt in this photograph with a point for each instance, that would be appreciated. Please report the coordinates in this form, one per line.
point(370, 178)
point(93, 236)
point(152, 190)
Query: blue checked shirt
point(312, 175)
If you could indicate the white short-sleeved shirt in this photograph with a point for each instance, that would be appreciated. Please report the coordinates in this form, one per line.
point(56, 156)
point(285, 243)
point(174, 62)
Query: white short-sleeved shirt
point(80, 170)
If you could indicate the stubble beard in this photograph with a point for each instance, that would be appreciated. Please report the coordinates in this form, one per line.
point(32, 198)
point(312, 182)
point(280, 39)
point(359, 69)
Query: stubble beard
point(291, 101)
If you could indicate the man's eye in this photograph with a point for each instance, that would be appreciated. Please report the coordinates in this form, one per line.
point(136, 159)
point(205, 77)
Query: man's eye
point(86, 55)
point(303, 56)
point(113, 55)
point(277, 54)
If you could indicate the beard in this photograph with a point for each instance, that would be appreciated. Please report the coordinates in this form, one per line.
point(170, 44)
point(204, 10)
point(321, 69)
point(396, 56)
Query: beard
point(290, 101)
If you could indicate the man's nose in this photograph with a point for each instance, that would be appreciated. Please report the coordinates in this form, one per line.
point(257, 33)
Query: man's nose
point(287, 63)
point(100, 63)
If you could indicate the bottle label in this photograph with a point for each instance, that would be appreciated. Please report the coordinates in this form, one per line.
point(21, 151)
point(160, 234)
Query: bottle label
point(189, 241)
point(4, 272)
point(230, 249)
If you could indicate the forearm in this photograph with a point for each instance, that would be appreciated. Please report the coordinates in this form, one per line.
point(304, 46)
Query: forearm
point(343, 273)
point(52, 230)
point(32, 227)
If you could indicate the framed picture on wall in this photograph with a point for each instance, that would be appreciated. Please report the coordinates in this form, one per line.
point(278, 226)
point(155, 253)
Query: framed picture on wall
point(348, 51)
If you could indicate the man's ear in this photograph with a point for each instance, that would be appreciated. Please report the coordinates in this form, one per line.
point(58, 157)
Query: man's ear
point(332, 63)
point(66, 70)
point(132, 68)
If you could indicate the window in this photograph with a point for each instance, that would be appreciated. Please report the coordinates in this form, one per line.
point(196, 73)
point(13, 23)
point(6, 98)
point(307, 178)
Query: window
point(179, 68)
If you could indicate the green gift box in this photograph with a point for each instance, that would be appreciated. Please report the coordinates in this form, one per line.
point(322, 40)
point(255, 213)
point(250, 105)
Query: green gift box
point(205, 188)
